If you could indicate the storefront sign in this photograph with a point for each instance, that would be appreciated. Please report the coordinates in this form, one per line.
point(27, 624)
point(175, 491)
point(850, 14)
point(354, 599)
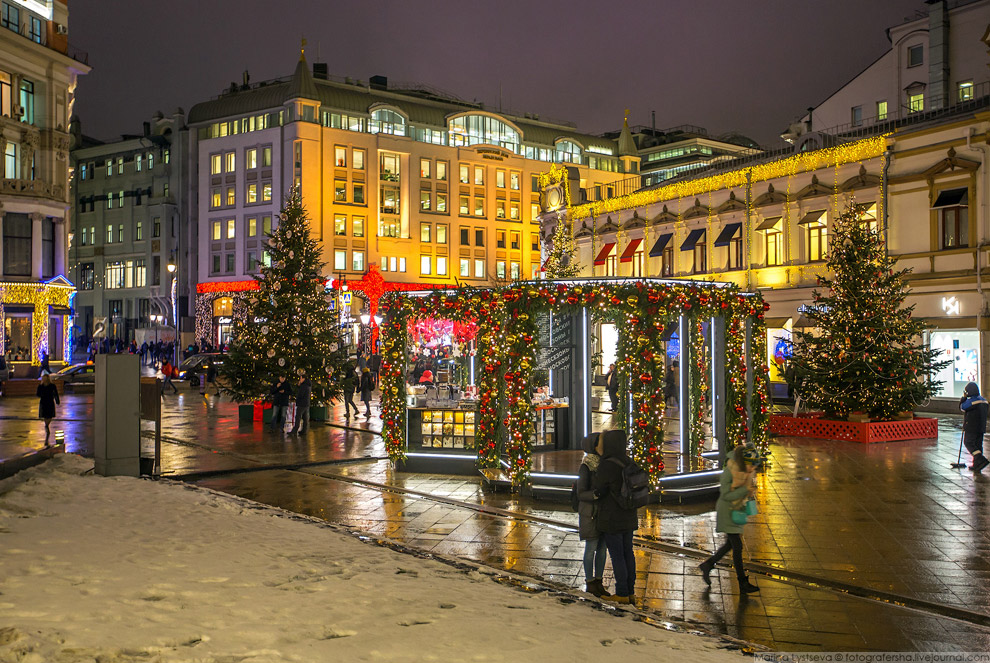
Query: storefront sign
point(494, 155)
point(225, 321)
point(951, 305)
point(553, 359)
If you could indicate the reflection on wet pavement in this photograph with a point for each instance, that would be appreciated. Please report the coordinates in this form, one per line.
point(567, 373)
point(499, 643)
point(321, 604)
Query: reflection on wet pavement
point(891, 517)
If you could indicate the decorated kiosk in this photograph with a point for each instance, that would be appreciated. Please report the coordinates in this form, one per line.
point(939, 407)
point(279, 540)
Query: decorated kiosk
point(526, 430)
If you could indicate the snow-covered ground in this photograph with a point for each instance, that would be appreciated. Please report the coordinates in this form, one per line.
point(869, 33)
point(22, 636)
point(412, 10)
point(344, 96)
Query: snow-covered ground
point(122, 569)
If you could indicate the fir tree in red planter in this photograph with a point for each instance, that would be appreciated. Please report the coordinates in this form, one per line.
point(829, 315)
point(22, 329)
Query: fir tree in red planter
point(866, 354)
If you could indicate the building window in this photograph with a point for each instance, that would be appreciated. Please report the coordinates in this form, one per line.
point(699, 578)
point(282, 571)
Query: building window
point(215, 198)
point(17, 230)
point(425, 265)
point(140, 273)
point(916, 55)
point(357, 226)
point(388, 228)
point(916, 102)
point(514, 271)
point(442, 171)
point(339, 224)
point(109, 167)
point(230, 260)
point(137, 163)
point(231, 226)
point(515, 240)
point(881, 110)
point(113, 275)
point(667, 261)
point(156, 270)
point(465, 205)
point(534, 242)
point(266, 192)
point(479, 237)
point(735, 249)
point(513, 210)
point(11, 18)
point(252, 194)
point(441, 266)
point(86, 276)
point(479, 175)
point(424, 200)
point(357, 261)
point(27, 104)
point(231, 196)
point(266, 225)
point(216, 165)
point(109, 234)
point(500, 269)
point(499, 209)
point(156, 227)
point(35, 30)
point(357, 159)
point(252, 226)
point(465, 174)
point(817, 241)
point(465, 269)
point(266, 156)
point(120, 165)
point(954, 222)
point(479, 268)
point(857, 116)
point(251, 261)
point(441, 202)
point(424, 232)
point(964, 91)
point(120, 199)
point(340, 156)
point(441, 234)
point(217, 231)
point(479, 205)
point(251, 158)
point(514, 181)
point(499, 239)
point(500, 179)
point(139, 231)
point(389, 199)
point(465, 236)
point(700, 255)
point(339, 259)
point(387, 122)
point(424, 168)
point(774, 244)
point(230, 161)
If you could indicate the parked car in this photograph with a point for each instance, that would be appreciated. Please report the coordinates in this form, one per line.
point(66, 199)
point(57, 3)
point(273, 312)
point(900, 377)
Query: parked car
point(76, 374)
point(191, 368)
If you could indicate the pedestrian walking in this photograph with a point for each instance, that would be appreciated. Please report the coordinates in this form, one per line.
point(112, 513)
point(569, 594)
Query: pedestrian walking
point(280, 393)
point(375, 364)
point(616, 522)
point(670, 382)
point(612, 385)
point(47, 398)
point(366, 388)
point(167, 373)
point(349, 384)
point(45, 368)
point(744, 461)
point(211, 377)
point(974, 408)
point(594, 542)
point(304, 391)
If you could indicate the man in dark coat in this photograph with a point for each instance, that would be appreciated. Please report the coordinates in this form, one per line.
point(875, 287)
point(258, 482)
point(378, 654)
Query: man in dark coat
point(974, 408)
point(349, 383)
point(303, 392)
point(612, 385)
point(616, 522)
point(280, 393)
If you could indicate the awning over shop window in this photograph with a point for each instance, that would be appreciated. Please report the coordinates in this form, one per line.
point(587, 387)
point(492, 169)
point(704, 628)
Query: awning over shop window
point(728, 232)
point(660, 245)
point(627, 255)
point(18, 308)
point(692, 239)
point(811, 217)
point(604, 253)
point(61, 310)
point(952, 198)
point(777, 323)
point(769, 224)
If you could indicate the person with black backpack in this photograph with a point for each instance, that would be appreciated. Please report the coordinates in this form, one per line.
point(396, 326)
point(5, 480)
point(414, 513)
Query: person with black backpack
point(585, 503)
point(617, 518)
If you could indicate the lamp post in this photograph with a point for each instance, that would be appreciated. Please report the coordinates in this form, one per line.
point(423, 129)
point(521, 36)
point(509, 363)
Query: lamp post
point(175, 343)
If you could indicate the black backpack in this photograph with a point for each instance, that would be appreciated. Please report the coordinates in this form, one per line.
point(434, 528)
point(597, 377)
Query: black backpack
point(635, 489)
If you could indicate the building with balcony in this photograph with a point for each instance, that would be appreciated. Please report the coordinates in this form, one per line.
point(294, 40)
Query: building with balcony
point(429, 189)
point(37, 86)
point(764, 221)
point(128, 228)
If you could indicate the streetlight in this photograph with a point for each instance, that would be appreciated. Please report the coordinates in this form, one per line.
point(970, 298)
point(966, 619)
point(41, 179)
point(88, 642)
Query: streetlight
point(175, 343)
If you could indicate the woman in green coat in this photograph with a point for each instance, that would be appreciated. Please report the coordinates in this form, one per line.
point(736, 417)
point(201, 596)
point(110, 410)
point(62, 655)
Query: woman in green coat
point(735, 485)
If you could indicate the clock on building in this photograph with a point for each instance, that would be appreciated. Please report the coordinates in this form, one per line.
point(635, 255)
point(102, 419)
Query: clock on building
point(554, 197)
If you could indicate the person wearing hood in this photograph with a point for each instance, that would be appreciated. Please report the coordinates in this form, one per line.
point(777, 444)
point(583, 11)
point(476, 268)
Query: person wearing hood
point(594, 542)
point(974, 408)
point(743, 460)
point(616, 522)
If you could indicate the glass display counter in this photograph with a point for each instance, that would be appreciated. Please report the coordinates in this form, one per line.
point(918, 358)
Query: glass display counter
point(443, 428)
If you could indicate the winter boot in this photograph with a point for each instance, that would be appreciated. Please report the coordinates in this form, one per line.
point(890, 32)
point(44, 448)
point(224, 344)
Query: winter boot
point(980, 462)
point(706, 570)
point(595, 587)
point(746, 587)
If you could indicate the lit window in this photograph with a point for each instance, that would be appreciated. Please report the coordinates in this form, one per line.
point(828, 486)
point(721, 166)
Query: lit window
point(358, 192)
point(500, 179)
point(357, 159)
point(252, 193)
point(339, 224)
point(151, 160)
point(109, 167)
point(230, 228)
point(441, 202)
point(215, 198)
point(881, 110)
point(357, 261)
point(340, 191)
point(514, 272)
point(442, 171)
point(139, 231)
point(514, 181)
point(479, 175)
point(230, 161)
point(231, 196)
point(499, 209)
point(441, 266)
point(266, 225)
point(215, 164)
point(916, 102)
point(402, 264)
point(500, 269)
point(965, 91)
point(120, 165)
point(217, 230)
point(817, 241)
point(387, 122)
point(465, 267)
point(340, 156)
point(479, 206)
point(425, 265)
point(266, 155)
point(479, 269)
point(252, 226)
point(424, 168)
point(251, 158)
point(339, 259)
point(137, 163)
point(266, 191)
point(465, 174)
point(392, 263)
point(424, 200)
point(441, 234)
point(424, 232)
point(357, 226)
point(110, 201)
point(465, 205)
point(514, 210)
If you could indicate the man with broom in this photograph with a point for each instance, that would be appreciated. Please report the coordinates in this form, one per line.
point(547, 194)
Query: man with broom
point(974, 408)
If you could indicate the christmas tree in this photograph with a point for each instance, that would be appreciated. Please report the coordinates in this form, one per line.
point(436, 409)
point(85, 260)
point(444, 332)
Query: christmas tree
point(866, 354)
point(560, 261)
point(288, 326)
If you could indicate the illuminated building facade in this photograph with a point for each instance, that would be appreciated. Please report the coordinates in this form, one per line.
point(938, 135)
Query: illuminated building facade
point(37, 85)
point(430, 189)
point(128, 229)
point(764, 222)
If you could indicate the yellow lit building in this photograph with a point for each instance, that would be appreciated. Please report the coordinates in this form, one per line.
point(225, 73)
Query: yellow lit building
point(429, 188)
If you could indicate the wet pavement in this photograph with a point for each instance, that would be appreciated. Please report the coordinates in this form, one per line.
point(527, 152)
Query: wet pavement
point(890, 519)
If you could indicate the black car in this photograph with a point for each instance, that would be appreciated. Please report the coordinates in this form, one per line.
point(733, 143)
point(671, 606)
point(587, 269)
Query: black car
point(191, 368)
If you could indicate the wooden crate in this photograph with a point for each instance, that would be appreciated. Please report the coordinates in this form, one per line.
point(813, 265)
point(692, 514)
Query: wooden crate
point(816, 426)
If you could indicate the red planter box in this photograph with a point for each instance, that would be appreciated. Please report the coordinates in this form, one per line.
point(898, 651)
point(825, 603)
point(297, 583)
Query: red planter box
point(875, 431)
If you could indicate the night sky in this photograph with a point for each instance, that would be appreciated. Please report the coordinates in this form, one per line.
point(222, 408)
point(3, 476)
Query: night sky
point(747, 66)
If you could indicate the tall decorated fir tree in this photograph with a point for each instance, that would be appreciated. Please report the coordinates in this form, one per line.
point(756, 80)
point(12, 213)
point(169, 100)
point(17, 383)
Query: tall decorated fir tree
point(561, 263)
point(288, 327)
point(866, 354)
